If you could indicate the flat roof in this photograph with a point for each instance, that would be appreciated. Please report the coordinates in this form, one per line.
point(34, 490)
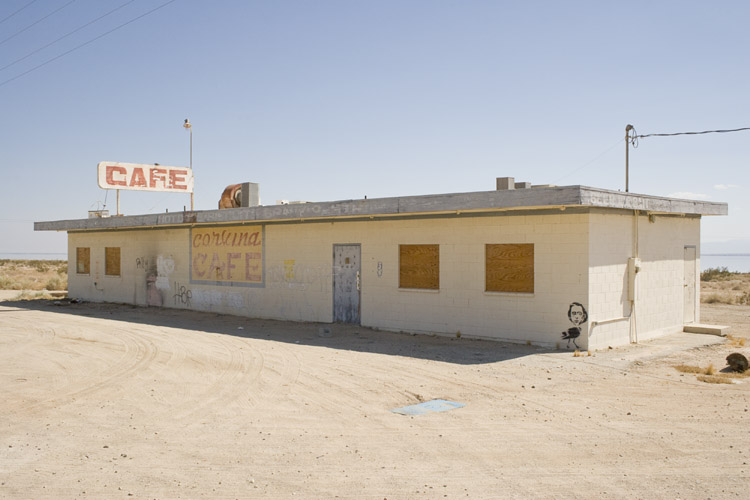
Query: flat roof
point(538, 198)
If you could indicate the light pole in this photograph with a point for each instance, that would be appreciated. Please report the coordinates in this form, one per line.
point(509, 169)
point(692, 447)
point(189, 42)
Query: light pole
point(188, 126)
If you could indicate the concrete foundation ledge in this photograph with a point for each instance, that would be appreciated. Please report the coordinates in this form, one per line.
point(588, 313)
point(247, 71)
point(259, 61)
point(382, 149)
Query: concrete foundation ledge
point(719, 330)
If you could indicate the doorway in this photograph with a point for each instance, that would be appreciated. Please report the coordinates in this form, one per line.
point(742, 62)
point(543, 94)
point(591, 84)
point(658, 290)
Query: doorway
point(688, 315)
point(347, 269)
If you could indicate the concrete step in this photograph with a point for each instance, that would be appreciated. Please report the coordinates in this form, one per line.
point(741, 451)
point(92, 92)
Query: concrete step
point(709, 329)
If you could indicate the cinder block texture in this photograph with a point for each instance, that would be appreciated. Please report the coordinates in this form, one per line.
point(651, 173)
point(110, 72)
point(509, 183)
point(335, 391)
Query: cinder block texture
point(580, 274)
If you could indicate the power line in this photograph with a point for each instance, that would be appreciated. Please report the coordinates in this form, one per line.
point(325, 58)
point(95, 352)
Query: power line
point(86, 43)
point(36, 22)
point(696, 133)
point(633, 137)
point(66, 35)
point(16, 12)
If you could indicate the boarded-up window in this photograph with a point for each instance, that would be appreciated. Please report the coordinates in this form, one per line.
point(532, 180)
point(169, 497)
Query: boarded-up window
point(112, 261)
point(83, 260)
point(419, 266)
point(509, 268)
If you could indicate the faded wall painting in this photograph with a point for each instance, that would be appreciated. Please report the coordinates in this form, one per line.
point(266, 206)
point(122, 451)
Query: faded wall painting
point(157, 277)
point(577, 315)
point(230, 255)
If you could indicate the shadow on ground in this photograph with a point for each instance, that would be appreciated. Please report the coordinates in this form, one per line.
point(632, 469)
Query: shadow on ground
point(336, 336)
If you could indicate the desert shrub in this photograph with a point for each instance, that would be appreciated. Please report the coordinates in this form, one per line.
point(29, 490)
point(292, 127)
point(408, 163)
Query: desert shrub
point(737, 341)
point(62, 269)
point(5, 283)
point(709, 374)
point(23, 284)
point(56, 283)
point(711, 379)
point(744, 298)
point(715, 274)
point(717, 298)
point(31, 295)
point(688, 369)
point(39, 265)
point(709, 370)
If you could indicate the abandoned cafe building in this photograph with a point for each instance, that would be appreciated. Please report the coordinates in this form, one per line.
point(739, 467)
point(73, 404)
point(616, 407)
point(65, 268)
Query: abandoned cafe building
point(570, 266)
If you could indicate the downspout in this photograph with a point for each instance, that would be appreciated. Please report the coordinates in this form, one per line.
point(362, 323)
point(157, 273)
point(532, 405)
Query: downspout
point(633, 267)
point(632, 281)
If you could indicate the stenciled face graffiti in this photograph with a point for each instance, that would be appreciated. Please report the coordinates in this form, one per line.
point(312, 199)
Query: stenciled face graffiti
point(577, 315)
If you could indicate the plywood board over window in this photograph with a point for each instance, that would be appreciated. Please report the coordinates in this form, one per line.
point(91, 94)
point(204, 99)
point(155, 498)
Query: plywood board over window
point(509, 268)
point(419, 266)
point(112, 261)
point(83, 260)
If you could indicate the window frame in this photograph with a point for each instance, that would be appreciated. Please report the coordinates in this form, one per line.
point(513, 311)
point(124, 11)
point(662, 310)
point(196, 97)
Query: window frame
point(83, 256)
point(521, 263)
point(409, 279)
point(109, 253)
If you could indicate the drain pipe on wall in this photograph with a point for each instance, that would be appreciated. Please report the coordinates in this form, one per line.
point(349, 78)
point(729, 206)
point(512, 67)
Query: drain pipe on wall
point(634, 267)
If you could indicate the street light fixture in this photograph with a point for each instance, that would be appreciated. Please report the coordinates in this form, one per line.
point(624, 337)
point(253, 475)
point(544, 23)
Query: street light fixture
point(188, 126)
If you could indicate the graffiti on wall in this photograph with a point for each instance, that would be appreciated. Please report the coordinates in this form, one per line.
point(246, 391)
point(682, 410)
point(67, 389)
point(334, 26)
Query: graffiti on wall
point(289, 270)
point(227, 255)
point(298, 277)
point(577, 315)
point(153, 295)
point(164, 267)
point(157, 277)
point(182, 295)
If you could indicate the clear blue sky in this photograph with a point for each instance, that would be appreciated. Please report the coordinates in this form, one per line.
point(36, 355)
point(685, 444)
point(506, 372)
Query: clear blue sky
point(328, 100)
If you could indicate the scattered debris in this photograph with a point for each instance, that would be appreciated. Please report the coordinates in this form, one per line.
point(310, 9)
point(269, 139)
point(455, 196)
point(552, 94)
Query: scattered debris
point(737, 362)
point(67, 302)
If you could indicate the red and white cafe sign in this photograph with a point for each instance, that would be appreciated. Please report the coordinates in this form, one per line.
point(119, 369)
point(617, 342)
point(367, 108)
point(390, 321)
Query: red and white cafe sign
point(114, 175)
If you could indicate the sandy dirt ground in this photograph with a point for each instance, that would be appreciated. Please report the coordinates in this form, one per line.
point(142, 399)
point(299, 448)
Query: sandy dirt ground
point(113, 401)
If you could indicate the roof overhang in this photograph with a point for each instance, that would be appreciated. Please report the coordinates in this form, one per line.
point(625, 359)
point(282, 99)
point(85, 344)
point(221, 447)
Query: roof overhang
point(427, 205)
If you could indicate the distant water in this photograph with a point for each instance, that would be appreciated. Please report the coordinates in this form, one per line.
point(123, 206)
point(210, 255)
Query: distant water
point(34, 256)
point(739, 263)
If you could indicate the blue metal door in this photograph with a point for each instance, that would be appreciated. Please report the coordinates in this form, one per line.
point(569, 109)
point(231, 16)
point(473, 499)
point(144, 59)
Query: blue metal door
point(346, 283)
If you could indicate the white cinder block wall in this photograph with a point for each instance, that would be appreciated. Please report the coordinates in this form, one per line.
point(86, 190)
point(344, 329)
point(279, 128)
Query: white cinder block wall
point(140, 253)
point(298, 274)
point(577, 257)
point(659, 284)
point(660, 292)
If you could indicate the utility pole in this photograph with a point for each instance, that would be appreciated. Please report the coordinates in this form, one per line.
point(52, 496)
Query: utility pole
point(628, 128)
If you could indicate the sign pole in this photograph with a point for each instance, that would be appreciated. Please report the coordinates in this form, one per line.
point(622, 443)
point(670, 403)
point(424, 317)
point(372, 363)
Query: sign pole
point(189, 126)
point(140, 177)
